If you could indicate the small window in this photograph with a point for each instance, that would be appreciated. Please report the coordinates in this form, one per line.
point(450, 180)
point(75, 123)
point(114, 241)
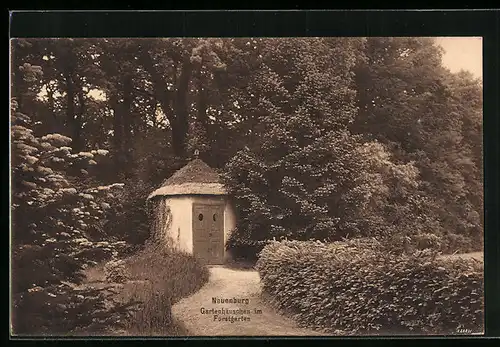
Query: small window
point(200, 216)
point(215, 217)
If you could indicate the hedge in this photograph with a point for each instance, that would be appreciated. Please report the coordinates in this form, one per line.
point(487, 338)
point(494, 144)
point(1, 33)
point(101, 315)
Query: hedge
point(358, 287)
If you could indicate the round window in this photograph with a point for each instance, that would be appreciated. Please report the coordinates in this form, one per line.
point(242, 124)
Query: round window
point(200, 216)
point(215, 217)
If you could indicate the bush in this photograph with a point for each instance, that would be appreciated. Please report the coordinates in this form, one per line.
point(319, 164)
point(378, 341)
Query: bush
point(116, 271)
point(153, 317)
point(359, 287)
point(446, 243)
point(130, 221)
point(175, 273)
point(243, 248)
point(57, 219)
point(456, 243)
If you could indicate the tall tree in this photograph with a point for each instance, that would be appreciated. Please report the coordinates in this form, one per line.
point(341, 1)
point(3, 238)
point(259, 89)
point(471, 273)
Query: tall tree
point(410, 102)
point(169, 66)
point(299, 180)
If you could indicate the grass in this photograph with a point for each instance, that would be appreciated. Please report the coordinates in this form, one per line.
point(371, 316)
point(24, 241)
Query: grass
point(161, 278)
point(157, 278)
point(153, 318)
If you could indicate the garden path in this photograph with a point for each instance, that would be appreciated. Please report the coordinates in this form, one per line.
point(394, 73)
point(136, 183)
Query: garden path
point(227, 283)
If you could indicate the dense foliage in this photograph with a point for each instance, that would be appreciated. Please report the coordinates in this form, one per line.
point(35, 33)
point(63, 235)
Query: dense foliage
point(360, 287)
point(431, 118)
point(372, 140)
point(301, 179)
point(287, 120)
point(161, 284)
point(318, 138)
point(153, 279)
point(57, 219)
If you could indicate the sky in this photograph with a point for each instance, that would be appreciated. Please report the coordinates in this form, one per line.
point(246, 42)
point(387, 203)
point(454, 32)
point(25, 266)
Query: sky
point(463, 53)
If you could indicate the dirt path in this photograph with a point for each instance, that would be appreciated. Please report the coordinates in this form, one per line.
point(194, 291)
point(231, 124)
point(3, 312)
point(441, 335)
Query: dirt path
point(225, 283)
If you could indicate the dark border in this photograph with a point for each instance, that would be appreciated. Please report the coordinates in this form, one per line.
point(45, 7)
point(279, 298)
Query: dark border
point(485, 23)
point(247, 23)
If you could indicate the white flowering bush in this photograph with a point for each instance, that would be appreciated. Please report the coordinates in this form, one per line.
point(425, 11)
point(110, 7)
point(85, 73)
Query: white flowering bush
point(116, 271)
point(55, 220)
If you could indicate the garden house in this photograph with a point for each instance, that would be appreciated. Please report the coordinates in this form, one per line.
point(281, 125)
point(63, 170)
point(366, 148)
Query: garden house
point(198, 213)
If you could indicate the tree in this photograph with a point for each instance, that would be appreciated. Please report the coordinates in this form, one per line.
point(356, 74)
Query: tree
point(152, 102)
point(299, 180)
point(408, 101)
point(395, 208)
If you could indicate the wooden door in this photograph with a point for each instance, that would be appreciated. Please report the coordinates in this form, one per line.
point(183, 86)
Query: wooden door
point(208, 232)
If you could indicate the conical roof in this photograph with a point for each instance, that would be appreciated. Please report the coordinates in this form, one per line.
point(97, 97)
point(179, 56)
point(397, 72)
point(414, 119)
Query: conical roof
point(196, 171)
point(195, 178)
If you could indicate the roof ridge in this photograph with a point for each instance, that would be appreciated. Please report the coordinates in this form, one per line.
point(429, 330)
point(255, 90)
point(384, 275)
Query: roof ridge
point(196, 171)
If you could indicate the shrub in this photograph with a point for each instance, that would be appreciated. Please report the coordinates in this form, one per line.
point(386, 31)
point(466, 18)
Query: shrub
point(130, 220)
point(153, 316)
point(56, 219)
point(359, 287)
point(116, 271)
point(445, 243)
point(244, 248)
point(174, 273)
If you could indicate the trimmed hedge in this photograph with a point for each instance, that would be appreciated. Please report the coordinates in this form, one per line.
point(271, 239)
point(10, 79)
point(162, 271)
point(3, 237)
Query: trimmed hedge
point(359, 287)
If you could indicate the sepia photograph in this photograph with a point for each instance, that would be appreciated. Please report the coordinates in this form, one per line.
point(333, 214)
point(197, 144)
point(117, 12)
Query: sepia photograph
point(246, 186)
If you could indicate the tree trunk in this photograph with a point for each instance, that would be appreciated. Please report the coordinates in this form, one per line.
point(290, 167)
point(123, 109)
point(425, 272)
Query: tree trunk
point(71, 119)
point(79, 145)
point(180, 132)
point(161, 90)
point(177, 114)
point(127, 122)
point(51, 109)
point(117, 134)
point(202, 104)
point(201, 107)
